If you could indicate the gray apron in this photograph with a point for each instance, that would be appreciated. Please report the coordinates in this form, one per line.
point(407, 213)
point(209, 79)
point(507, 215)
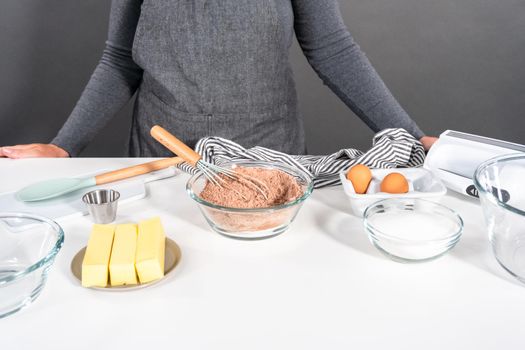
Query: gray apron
point(216, 68)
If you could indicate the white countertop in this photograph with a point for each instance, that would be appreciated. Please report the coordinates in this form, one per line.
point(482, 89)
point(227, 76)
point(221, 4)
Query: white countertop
point(319, 285)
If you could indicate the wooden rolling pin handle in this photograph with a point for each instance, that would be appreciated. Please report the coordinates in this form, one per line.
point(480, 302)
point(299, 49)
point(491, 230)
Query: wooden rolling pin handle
point(136, 170)
point(175, 145)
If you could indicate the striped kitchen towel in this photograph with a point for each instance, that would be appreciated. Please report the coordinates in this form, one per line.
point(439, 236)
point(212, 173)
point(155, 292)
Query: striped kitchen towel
point(391, 148)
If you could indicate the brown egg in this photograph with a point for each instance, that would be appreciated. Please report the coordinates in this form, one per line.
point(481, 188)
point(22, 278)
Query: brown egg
point(394, 183)
point(360, 176)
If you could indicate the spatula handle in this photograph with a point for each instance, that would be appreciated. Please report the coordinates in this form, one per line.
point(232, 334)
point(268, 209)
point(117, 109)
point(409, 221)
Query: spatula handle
point(175, 145)
point(136, 170)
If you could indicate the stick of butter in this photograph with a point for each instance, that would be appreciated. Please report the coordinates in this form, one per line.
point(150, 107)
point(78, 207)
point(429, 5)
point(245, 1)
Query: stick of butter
point(151, 243)
point(96, 259)
point(122, 262)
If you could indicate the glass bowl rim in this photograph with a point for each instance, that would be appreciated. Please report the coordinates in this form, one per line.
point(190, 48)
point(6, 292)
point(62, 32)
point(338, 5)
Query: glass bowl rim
point(493, 161)
point(44, 260)
point(296, 171)
point(376, 233)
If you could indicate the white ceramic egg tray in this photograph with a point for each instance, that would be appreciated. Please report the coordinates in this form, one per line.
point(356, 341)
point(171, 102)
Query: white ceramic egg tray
point(421, 184)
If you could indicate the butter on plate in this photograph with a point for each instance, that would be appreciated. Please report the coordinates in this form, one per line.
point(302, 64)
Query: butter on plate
point(96, 259)
point(122, 262)
point(151, 243)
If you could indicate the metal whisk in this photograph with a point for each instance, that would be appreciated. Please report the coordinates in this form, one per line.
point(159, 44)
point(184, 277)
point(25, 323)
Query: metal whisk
point(212, 172)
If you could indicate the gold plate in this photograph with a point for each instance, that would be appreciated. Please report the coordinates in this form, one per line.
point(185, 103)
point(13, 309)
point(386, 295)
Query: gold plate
point(171, 260)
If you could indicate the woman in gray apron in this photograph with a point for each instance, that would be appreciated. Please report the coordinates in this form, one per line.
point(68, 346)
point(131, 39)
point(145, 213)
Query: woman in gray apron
point(221, 68)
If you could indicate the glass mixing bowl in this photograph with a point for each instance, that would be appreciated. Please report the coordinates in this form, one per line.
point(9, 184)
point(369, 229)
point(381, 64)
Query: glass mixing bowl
point(412, 230)
point(251, 223)
point(28, 246)
point(499, 182)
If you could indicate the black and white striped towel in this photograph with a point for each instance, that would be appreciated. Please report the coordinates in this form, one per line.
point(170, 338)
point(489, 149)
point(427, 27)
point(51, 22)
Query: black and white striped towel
point(391, 148)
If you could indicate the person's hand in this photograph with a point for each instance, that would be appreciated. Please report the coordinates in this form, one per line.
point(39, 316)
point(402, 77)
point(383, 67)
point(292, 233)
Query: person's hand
point(33, 150)
point(428, 141)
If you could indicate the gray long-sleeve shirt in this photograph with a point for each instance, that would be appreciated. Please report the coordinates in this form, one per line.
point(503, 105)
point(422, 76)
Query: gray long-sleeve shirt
point(221, 67)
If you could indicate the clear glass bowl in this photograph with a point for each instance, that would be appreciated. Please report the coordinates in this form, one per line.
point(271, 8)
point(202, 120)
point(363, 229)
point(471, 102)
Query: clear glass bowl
point(499, 182)
point(412, 230)
point(251, 223)
point(28, 246)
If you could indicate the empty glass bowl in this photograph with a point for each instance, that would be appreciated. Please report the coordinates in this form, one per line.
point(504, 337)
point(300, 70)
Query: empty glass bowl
point(251, 223)
point(412, 230)
point(499, 182)
point(28, 246)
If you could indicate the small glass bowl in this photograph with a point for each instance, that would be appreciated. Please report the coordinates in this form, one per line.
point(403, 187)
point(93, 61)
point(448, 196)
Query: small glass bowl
point(412, 230)
point(29, 244)
point(499, 182)
point(250, 223)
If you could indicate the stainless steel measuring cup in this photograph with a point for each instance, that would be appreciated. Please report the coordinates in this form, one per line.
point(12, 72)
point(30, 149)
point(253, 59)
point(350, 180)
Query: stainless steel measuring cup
point(102, 205)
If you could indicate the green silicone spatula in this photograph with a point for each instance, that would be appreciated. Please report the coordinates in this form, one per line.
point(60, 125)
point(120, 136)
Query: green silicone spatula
point(56, 187)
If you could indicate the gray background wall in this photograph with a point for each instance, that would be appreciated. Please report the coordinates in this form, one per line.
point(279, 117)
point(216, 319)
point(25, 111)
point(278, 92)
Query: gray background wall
point(453, 64)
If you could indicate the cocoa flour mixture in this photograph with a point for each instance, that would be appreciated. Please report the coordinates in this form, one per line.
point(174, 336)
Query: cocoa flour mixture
point(281, 188)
